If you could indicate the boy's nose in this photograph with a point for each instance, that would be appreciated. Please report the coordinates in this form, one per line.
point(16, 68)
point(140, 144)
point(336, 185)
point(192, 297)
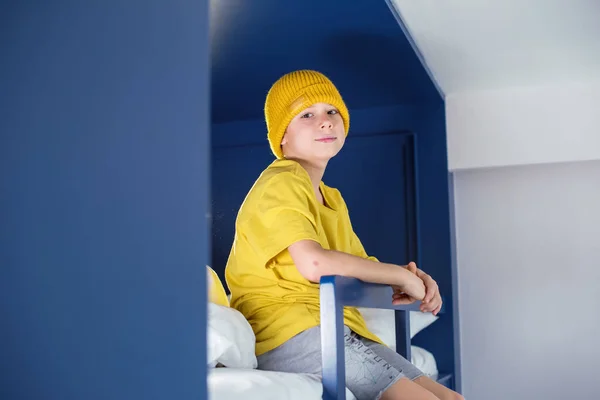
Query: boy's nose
point(326, 124)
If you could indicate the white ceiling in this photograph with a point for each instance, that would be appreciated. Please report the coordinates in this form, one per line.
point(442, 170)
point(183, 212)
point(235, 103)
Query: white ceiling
point(471, 45)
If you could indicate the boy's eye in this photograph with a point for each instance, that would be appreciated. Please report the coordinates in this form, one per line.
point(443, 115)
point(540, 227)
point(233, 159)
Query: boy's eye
point(307, 115)
point(332, 112)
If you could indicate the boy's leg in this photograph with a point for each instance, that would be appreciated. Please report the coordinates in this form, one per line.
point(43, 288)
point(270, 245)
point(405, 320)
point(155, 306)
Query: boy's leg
point(405, 389)
point(368, 376)
point(441, 392)
point(300, 354)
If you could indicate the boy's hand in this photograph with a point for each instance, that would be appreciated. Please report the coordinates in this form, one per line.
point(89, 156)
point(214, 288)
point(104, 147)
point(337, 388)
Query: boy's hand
point(411, 290)
point(401, 298)
point(433, 300)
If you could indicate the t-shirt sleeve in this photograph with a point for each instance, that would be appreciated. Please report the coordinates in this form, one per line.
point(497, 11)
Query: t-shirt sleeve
point(286, 214)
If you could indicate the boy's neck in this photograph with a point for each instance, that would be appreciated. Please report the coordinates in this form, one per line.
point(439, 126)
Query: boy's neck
point(315, 172)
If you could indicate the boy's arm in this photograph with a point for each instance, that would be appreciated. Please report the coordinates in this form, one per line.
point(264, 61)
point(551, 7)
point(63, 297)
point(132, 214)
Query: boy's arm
point(313, 262)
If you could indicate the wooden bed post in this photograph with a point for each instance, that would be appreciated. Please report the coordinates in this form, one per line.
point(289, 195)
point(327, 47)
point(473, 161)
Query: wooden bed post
point(332, 341)
point(339, 291)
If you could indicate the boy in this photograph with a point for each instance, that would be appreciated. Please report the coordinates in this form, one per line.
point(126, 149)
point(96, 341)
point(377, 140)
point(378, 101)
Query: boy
point(292, 229)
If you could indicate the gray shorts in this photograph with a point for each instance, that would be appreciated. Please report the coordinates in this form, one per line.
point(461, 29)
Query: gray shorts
point(371, 368)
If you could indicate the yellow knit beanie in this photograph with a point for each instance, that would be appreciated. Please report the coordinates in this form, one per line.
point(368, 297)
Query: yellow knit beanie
point(294, 92)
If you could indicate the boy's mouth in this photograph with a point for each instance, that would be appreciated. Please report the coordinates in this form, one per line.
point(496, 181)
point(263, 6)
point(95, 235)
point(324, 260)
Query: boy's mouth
point(327, 139)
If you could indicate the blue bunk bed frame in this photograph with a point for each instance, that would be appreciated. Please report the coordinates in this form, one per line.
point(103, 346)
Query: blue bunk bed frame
point(337, 292)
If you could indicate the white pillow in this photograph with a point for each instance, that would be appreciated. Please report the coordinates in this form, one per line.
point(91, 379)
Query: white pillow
point(424, 361)
point(420, 321)
point(382, 323)
point(231, 341)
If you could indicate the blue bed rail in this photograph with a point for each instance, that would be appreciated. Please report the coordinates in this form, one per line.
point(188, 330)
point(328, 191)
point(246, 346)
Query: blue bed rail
point(337, 292)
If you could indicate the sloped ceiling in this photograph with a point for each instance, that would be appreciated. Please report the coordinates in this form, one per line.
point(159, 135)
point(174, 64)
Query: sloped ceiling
point(357, 43)
point(471, 45)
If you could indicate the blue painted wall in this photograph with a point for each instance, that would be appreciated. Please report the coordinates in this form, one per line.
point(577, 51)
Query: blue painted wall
point(358, 44)
point(104, 196)
point(434, 232)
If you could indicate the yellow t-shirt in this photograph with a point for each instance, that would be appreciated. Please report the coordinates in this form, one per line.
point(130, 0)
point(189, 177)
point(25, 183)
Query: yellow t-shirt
point(216, 291)
point(266, 287)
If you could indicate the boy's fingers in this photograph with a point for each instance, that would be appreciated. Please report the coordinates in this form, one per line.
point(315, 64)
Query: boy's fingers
point(426, 308)
point(438, 305)
point(431, 287)
point(435, 303)
point(430, 293)
point(403, 299)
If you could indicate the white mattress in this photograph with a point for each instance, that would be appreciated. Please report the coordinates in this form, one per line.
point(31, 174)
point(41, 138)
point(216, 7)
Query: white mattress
point(253, 384)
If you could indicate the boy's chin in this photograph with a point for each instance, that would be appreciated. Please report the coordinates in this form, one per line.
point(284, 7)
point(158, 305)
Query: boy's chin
point(326, 156)
point(323, 155)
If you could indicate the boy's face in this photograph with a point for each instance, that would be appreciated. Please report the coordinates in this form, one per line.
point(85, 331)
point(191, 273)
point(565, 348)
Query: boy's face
point(315, 134)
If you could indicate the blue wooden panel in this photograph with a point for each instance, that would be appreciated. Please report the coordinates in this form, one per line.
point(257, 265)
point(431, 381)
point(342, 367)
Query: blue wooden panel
point(104, 200)
point(337, 292)
point(369, 121)
point(403, 341)
point(372, 174)
point(434, 233)
point(332, 333)
point(234, 171)
point(358, 43)
point(353, 292)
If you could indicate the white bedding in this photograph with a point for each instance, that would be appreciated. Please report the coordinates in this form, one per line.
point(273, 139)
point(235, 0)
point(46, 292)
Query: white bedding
point(232, 342)
point(253, 384)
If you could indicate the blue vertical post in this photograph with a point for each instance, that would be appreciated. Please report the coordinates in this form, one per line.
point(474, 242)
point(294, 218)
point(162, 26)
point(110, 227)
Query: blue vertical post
point(332, 342)
point(403, 333)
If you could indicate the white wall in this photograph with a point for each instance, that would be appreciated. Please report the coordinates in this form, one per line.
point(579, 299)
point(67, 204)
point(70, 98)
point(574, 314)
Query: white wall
point(528, 125)
point(527, 204)
point(480, 45)
point(522, 90)
point(522, 86)
point(528, 249)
